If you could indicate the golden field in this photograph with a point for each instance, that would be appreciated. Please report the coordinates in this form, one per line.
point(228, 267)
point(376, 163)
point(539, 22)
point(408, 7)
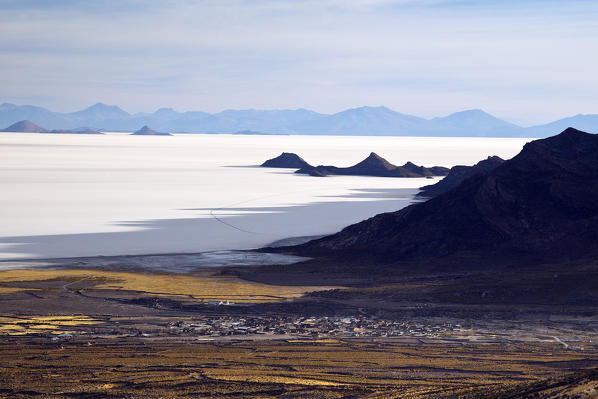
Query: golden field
point(197, 287)
point(268, 369)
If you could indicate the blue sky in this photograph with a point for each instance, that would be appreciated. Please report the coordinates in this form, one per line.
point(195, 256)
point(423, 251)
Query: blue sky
point(526, 61)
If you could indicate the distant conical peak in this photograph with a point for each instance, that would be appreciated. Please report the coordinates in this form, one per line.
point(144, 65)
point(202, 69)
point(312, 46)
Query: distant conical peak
point(376, 161)
point(146, 129)
point(376, 157)
point(25, 126)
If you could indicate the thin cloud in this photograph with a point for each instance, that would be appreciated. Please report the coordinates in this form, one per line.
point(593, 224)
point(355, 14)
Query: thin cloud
point(419, 57)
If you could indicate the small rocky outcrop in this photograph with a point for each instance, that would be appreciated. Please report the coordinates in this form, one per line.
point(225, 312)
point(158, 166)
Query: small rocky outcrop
point(459, 173)
point(286, 160)
point(25, 126)
point(148, 131)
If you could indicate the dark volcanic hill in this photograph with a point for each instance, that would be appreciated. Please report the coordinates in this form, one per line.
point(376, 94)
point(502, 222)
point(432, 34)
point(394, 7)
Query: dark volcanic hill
point(459, 173)
point(25, 127)
point(147, 131)
point(375, 165)
point(286, 160)
point(542, 203)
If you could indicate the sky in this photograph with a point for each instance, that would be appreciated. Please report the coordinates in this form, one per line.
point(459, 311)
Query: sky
point(527, 61)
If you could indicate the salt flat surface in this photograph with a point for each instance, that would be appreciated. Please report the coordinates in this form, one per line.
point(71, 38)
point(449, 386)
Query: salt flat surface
point(116, 194)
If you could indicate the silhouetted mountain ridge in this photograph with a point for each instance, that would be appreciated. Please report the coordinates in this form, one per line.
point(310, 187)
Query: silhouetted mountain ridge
point(379, 121)
point(459, 173)
point(375, 165)
point(543, 203)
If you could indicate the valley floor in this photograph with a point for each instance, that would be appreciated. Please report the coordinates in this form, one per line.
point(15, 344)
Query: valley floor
point(80, 333)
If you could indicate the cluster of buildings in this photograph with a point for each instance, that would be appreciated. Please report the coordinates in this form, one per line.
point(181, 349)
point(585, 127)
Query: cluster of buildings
point(223, 326)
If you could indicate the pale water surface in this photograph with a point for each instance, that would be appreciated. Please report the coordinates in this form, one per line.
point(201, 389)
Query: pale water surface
point(115, 194)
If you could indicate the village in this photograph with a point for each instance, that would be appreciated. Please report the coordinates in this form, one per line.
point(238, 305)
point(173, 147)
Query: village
point(317, 327)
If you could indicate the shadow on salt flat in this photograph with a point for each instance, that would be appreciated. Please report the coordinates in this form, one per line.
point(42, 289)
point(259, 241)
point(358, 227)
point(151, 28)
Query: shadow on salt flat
point(236, 228)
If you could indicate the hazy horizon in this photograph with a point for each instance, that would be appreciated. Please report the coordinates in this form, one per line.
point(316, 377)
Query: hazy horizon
point(527, 62)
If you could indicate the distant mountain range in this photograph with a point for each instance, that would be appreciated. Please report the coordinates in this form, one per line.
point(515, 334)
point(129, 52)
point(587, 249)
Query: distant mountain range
point(378, 121)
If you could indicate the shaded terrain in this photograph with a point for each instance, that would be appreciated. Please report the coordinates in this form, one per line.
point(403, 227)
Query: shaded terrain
point(542, 204)
point(459, 173)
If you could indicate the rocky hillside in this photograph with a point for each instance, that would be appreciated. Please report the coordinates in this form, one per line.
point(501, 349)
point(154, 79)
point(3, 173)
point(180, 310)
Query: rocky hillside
point(543, 202)
point(459, 173)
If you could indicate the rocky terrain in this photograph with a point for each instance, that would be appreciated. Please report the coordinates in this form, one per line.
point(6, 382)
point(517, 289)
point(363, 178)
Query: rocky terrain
point(541, 204)
point(375, 165)
point(487, 290)
point(148, 131)
point(459, 173)
point(286, 160)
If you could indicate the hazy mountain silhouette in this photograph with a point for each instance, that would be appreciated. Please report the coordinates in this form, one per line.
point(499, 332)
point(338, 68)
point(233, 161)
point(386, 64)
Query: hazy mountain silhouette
point(356, 121)
point(148, 131)
point(25, 127)
point(478, 122)
point(542, 203)
point(100, 112)
point(362, 121)
point(30, 127)
point(11, 113)
point(82, 130)
point(587, 123)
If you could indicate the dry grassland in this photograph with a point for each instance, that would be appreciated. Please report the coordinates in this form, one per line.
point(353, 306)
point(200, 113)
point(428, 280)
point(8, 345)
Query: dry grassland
point(137, 368)
point(204, 287)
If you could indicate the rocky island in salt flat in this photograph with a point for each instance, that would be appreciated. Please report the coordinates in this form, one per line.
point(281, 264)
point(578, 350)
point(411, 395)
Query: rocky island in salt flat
point(286, 160)
point(26, 126)
point(148, 131)
point(375, 165)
